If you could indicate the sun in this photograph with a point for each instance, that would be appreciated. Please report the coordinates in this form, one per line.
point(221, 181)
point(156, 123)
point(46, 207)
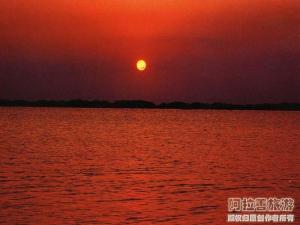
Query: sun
point(141, 65)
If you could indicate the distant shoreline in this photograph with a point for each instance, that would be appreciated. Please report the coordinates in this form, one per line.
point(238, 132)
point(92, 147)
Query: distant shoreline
point(141, 104)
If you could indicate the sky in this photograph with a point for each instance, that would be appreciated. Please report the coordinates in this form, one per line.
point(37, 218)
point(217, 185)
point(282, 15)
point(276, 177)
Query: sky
point(233, 51)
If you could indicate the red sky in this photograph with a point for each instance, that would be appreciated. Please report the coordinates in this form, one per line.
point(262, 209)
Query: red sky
point(235, 51)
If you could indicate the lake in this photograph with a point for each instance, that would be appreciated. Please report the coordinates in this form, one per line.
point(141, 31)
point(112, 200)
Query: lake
point(125, 166)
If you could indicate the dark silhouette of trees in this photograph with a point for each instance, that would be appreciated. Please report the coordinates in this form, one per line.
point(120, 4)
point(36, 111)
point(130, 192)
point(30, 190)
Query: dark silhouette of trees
point(147, 105)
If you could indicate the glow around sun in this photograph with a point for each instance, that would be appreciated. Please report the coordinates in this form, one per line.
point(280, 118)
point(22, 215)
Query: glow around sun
point(141, 65)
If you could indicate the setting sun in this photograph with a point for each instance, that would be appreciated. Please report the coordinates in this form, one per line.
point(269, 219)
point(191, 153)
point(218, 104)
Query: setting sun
point(141, 65)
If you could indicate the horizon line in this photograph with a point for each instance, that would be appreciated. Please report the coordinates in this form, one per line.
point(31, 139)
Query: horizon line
point(80, 103)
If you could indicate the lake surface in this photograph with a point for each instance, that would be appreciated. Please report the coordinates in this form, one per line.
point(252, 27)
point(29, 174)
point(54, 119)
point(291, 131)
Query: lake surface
point(121, 166)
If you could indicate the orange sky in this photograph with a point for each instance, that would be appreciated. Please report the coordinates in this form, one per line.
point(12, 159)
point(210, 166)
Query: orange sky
point(192, 46)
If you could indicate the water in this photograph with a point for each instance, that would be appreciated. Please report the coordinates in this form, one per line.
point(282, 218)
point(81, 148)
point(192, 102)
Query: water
point(111, 166)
